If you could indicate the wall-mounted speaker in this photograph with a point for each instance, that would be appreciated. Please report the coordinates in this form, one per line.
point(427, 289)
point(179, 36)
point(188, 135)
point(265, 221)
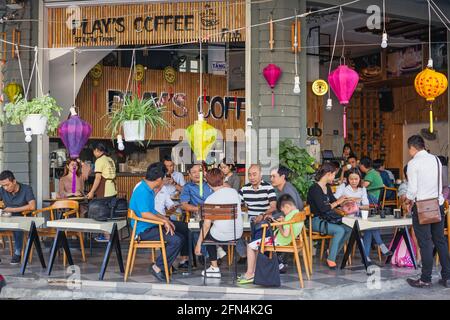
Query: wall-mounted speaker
point(386, 99)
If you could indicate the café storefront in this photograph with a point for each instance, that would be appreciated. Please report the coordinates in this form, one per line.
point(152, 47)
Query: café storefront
point(187, 56)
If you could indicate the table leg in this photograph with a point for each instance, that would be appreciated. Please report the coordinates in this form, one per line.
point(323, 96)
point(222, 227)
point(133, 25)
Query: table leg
point(355, 237)
point(397, 237)
point(59, 241)
point(113, 242)
point(32, 238)
point(190, 252)
point(407, 239)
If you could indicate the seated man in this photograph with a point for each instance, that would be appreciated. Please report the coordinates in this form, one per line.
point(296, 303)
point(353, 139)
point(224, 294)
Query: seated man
point(143, 204)
point(17, 198)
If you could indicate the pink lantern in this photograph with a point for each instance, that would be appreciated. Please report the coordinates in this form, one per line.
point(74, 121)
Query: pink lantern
point(343, 82)
point(272, 73)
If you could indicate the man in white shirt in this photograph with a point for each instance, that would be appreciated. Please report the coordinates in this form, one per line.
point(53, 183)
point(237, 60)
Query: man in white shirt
point(425, 182)
point(174, 180)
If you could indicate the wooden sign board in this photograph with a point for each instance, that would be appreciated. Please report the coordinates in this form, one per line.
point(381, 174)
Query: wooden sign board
point(146, 23)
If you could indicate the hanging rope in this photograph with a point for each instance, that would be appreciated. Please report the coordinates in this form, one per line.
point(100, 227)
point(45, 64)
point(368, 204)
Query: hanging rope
point(334, 47)
point(74, 79)
point(20, 68)
point(200, 111)
point(343, 35)
point(132, 68)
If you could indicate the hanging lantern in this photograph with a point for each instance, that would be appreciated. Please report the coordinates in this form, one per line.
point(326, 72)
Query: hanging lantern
point(343, 82)
point(201, 137)
point(74, 133)
point(12, 91)
point(272, 74)
point(96, 74)
point(430, 84)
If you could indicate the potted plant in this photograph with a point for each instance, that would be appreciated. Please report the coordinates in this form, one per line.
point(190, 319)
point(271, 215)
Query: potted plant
point(36, 115)
point(300, 163)
point(133, 117)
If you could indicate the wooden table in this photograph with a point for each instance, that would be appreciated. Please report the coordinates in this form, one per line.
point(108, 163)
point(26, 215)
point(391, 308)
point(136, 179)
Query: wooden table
point(79, 199)
point(87, 225)
point(28, 224)
point(358, 225)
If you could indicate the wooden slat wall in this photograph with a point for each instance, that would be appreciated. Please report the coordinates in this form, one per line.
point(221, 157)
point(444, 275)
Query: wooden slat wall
point(115, 78)
point(315, 109)
point(230, 14)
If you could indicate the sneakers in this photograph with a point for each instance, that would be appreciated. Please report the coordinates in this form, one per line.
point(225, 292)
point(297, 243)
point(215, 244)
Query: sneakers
point(15, 260)
point(283, 268)
point(101, 238)
point(220, 252)
point(212, 272)
point(243, 280)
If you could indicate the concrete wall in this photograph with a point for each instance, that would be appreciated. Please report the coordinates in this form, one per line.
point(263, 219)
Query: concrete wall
point(16, 152)
point(289, 114)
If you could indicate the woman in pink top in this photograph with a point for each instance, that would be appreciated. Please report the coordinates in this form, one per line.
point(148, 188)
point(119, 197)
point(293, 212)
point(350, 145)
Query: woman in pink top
point(71, 183)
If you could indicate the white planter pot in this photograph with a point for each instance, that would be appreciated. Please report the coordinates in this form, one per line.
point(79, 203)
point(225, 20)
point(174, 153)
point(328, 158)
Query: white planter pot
point(134, 130)
point(36, 123)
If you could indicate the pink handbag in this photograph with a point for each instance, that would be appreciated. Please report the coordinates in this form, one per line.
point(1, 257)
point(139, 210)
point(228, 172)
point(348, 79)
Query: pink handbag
point(401, 257)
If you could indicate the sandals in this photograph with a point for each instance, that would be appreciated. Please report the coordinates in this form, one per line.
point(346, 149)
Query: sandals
point(243, 280)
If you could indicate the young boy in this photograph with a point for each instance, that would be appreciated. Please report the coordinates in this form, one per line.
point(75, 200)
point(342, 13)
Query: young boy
point(282, 236)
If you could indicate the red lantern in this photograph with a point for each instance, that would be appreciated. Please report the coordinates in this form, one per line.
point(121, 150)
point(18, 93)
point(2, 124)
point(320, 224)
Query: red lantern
point(272, 74)
point(343, 82)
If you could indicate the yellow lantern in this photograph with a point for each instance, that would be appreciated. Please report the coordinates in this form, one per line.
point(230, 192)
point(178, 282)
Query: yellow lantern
point(201, 137)
point(430, 84)
point(12, 91)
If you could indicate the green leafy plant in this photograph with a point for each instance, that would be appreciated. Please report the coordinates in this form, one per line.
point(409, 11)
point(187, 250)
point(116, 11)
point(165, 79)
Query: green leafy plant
point(300, 163)
point(136, 109)
point(15, 113)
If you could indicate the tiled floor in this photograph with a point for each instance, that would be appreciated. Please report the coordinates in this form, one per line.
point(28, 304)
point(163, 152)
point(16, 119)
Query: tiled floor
point(322, 276)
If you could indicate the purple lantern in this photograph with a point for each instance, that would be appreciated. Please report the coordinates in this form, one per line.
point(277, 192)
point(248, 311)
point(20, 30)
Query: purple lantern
point(74, 133)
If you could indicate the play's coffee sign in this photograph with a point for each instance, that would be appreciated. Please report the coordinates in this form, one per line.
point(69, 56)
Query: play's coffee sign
point(146, 23)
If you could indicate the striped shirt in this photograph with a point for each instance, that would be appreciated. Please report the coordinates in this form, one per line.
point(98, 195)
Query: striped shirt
point(257, 201)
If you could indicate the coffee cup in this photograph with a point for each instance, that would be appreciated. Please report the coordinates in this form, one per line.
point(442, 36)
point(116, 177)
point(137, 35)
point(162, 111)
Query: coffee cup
point(397, 213)
point(364, 214)
point(382, 214)
point(53, 195)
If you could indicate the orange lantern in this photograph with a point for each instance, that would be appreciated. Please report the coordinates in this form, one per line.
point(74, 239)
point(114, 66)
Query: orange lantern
point(430, 84)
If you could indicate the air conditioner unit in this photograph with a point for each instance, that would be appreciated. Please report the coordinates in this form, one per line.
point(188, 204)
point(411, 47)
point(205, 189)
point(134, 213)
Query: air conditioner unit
point(15, 4)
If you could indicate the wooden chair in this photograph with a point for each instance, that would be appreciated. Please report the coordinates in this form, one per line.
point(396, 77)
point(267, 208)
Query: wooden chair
point(9, 236)
point(385, 202)
point(72, 209)
point(315, 236)
point(135, 244)
point(217, 212)
point(297, 244)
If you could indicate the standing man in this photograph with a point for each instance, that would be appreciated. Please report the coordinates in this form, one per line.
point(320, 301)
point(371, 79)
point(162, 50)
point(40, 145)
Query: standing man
point(424, 183)
point(174, 180)
point(279, 178)
point(104, 184)
point(17, 198)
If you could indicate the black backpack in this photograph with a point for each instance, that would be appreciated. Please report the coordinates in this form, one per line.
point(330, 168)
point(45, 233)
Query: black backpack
point(105, 209)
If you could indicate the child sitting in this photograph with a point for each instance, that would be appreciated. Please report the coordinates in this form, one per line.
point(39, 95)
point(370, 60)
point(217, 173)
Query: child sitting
point(282, 236)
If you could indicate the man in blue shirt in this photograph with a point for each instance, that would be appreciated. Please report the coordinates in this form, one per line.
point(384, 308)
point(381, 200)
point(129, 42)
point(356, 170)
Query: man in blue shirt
point(17, 198)
point(190, 199)
point(143, 204)
point(190, 196)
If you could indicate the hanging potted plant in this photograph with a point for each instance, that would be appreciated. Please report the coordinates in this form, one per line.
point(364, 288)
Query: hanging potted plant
point(37, 115)
point(133, 117)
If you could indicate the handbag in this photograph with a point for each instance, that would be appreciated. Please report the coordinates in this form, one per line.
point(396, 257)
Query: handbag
point(350, 207)
point(267, 272)
point(429, 211)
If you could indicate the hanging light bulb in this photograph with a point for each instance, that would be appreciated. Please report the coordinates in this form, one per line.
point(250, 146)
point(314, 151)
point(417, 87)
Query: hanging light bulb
point(28, 137)
point(430, 63)
point(120, 144)
point(297, 84)
point(329, 104)
point(384, 41)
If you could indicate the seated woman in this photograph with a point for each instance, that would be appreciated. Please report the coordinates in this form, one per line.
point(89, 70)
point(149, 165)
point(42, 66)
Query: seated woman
point(68, 187)
point(219, 230)
point(231, 178)
point(355, 190)
point(282, 236)
point(322, 203)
